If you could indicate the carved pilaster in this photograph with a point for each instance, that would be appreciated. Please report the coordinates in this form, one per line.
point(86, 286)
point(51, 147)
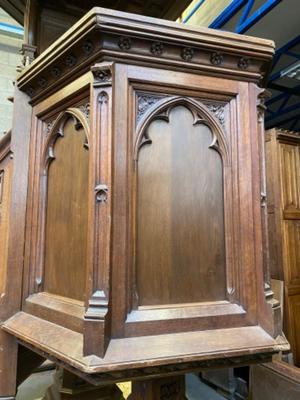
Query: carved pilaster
point(261, 97)
point(97, 316)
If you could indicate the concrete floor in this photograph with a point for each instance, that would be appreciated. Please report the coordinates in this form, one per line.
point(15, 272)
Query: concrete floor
point(35, 387)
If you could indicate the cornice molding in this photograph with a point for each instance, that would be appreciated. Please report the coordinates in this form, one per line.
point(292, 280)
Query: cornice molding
point(118, 36)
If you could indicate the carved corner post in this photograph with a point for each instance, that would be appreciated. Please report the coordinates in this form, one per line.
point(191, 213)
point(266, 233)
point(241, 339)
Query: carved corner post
point(97, 320)
point(276, 328)
point(11, 298)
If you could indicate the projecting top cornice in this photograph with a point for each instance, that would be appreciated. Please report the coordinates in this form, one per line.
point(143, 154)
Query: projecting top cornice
point(104, 34)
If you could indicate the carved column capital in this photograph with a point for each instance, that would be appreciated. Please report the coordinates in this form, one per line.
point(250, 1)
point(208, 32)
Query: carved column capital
point(102, 73)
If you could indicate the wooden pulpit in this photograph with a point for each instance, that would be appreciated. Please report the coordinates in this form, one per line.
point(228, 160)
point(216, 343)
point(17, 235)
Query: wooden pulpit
point(137, 223)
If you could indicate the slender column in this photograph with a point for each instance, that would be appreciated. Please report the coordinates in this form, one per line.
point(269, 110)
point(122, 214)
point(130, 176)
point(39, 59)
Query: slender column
point(97, 323)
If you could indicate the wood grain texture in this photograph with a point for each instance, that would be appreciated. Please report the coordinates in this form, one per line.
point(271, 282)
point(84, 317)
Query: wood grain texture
point(274, 381)
point(284, 230)
point(19, 146)
point(63, 64)
point(180, 232)
point(129, 353)
point(66, 220)
point(187, 218)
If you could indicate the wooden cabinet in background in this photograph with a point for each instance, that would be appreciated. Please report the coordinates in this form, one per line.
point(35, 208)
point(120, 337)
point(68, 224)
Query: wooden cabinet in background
point(283, 193)
point(143, 247)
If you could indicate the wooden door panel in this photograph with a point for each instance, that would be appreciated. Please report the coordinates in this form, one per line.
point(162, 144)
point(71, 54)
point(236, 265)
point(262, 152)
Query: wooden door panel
point(180, 227)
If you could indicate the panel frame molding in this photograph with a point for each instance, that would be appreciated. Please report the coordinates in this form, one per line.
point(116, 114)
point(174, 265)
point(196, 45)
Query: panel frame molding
point(239, 307)
point(58, 109)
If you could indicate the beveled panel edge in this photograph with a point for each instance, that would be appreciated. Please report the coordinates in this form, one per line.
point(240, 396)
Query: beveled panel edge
point(60, 310)
point(135, 39)
point(181, 312)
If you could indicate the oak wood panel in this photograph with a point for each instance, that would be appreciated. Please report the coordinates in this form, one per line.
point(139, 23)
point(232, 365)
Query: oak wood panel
point(180, 232)
point(284, 215)
point(5, 194)
point(128, 353)
point(51, 25)
point(19, 147)
point(291, 238)
point(290, 176)
point(275, 381)
point(66, 226)
point(293, 326)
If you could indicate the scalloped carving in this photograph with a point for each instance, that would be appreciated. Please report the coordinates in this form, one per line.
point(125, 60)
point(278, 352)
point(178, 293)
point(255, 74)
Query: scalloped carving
point(55, 132)
point(201, 114)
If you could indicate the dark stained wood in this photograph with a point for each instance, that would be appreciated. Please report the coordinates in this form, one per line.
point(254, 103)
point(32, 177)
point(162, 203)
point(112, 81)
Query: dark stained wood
point(66, 219)
point(283, 183)
point(180, 222)
point(67, 386)
point(51, 25)
point(104, 226)
point(170, 388)
point(11, 298)
point(275, 381)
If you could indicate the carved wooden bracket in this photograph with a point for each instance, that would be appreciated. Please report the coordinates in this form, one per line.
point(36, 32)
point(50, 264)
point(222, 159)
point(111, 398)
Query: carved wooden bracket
point(102, 73)
point(101, 193)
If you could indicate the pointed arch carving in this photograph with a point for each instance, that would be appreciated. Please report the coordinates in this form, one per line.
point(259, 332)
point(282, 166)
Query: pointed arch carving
point(57, 131)
point(201, 115)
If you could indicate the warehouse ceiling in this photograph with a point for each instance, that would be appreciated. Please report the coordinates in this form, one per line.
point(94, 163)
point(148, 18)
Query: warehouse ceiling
point(271, 19)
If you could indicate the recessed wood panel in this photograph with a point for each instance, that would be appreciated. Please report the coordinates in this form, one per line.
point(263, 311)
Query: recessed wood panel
point(294, 326)
point(5, 188)
point(291, 237)
point(180, 250)
point(290, 159)
point(66, 224)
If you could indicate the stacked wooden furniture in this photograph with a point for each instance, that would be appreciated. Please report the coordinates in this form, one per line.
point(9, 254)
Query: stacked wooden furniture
point(283, 184)
point(137, 191)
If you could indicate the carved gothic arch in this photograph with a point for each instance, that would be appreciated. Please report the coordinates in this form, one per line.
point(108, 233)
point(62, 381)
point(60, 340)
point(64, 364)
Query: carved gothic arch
point(56, 132)
point(201, 115)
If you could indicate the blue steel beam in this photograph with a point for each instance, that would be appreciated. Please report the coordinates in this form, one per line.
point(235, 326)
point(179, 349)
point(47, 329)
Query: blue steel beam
point(227, 14)
point(284, 111)
point(246, 21)
point(11, 29)
point(257, 15)
point(246, 11)
point(285, 48)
